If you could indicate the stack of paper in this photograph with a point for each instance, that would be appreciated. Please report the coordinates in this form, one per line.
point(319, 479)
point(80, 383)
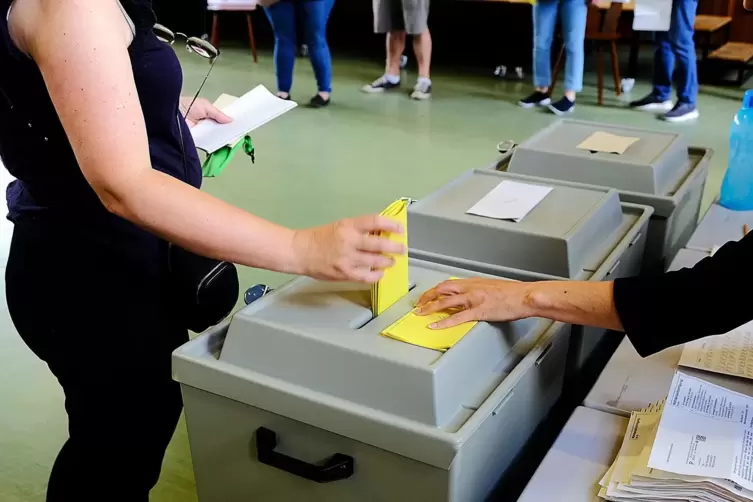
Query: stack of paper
point(394, 284)
point(249, 112)
point(697, 446)
point(414, 329)
point(728, 354)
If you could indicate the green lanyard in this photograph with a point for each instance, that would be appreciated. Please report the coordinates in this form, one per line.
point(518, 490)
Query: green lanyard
point(216, 162)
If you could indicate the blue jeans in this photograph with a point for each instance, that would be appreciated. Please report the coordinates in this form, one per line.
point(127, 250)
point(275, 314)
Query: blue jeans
point(282, 17)
point(677, 46)
point(573, 14)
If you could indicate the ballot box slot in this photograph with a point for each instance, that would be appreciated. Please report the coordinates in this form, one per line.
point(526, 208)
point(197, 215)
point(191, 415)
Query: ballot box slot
point(411, 287)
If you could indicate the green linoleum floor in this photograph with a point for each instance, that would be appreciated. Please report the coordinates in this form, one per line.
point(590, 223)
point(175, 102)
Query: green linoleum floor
point(313, 166)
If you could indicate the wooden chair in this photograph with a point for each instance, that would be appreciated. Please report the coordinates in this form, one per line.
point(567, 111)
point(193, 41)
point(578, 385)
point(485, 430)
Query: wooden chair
point(601, 32)
point(217, 6)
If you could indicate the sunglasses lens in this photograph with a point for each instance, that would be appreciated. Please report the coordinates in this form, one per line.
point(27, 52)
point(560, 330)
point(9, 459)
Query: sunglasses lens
point(163, 34)
point(202, 48)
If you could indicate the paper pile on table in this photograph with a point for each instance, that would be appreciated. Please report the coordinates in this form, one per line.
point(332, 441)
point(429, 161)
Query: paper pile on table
point(695, 446)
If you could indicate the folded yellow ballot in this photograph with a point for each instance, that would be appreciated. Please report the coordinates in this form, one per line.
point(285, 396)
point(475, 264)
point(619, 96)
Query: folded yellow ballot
point(394, 284)
point(414, 329)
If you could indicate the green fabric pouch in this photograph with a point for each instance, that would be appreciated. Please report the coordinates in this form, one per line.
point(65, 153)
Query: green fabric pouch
point(216, 162)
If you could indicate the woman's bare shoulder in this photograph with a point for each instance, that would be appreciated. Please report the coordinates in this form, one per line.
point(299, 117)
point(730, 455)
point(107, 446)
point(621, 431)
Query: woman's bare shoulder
point(30, 20)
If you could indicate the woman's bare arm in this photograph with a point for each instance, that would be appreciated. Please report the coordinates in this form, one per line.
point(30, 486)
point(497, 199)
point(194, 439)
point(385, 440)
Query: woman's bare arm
point(81, 50)
point(586, 303)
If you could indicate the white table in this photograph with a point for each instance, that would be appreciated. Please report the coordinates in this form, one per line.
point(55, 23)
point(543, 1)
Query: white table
point(578, 459)
point(718, 227)
point(687, 258)
point(629, 382)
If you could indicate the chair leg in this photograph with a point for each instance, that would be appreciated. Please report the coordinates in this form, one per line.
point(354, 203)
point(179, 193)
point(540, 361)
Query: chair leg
point(251, 36)
point(557, 69)
point(215, 36)
point(600, 73)
point(616, 69)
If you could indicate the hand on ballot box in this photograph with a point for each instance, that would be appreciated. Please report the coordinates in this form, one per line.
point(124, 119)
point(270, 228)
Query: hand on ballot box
point(466, 300)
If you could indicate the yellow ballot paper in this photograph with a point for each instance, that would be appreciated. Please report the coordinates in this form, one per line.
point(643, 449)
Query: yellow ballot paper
point(414, 329)
point(394, 284)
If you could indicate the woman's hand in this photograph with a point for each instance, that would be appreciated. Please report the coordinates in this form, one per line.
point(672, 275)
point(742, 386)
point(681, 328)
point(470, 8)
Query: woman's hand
point(348, 250)
point(200, 110)
point(477, 300)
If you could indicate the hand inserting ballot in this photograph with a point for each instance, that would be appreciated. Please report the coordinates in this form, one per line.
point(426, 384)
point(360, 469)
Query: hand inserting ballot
point(348, 250)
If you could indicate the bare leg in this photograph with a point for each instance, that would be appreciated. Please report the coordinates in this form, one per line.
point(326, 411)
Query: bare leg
point(422, 48)
point(395, 49)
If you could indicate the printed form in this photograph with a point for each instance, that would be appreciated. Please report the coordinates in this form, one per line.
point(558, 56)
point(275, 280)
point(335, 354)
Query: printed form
point(705, 430)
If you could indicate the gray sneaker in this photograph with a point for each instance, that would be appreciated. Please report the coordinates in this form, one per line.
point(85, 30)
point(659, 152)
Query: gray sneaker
point(651, 103)
point(682, 112)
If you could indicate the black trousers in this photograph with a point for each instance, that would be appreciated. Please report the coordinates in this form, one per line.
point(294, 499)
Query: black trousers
point(92, 302)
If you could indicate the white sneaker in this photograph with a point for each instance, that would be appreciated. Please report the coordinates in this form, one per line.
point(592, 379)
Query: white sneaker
point(421, 91)
point(380, 85)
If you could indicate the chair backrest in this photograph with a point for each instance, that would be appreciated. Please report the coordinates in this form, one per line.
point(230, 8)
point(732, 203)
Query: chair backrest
point(593, 20)
point(612, 18)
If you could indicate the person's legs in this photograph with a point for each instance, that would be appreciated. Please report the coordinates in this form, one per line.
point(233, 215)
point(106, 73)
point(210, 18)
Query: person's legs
point(683, 47)
point(316, 13)
point(416, 21)
point(664, 65)
point(422, 48)
point(681, 40)
point(388, 20)
point(574, 13)
point(282, 18)
point(107, 336)
point(544, 19)
point(395, 49)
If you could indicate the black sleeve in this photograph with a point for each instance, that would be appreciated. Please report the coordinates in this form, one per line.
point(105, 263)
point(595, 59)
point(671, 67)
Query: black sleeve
point(677, 307)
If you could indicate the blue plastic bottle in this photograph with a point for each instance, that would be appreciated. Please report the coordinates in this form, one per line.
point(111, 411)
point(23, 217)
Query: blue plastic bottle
point(737, 187)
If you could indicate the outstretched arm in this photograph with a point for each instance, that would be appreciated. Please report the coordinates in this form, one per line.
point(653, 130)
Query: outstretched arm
point(81, 48)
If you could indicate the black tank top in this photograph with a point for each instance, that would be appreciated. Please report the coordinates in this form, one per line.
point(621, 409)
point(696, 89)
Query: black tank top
point(35, 148)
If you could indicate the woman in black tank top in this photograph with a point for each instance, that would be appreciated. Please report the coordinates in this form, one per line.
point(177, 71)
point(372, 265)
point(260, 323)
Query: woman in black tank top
point(90, 126)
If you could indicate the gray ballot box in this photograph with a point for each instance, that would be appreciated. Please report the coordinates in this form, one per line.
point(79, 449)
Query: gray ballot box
point(300, 398)
point(658, 170)
point(573, 233)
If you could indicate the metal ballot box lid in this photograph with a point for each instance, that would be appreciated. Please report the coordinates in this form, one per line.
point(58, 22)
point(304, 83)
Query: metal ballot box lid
point(654, 164)
point(570, 233)
point(322, 337)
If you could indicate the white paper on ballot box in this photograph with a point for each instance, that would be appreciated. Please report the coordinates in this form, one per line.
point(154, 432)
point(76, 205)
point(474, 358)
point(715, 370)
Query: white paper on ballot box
point(705, 430)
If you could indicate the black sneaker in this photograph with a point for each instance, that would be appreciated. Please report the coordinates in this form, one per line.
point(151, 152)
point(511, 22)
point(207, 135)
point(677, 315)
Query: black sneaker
point(421, 91)
point(380, 85)
point(651, 104)
point(535, 99)
point(319, 102)
point(562, 106)
point(682, 112)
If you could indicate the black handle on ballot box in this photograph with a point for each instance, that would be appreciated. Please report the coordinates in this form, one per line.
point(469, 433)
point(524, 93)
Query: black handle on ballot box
point(334, 468)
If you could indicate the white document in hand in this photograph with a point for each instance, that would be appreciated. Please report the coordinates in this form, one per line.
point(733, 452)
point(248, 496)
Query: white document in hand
point(250, 111)
point(652, 15)
point(705, 430)
point(510, 200)
point(728, 354)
